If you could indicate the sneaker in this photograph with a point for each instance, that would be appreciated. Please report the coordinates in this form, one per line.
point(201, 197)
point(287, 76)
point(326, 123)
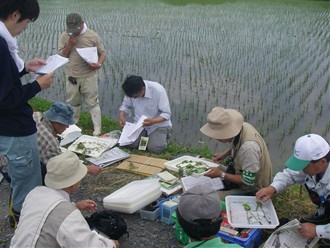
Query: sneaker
point(315, 219)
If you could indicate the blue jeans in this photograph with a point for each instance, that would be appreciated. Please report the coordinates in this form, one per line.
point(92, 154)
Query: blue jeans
point(23, 166)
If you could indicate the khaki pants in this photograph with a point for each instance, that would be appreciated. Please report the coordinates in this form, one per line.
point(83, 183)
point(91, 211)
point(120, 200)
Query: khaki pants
point(86, 91)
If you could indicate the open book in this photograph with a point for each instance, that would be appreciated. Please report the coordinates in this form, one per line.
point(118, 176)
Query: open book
point(289, 236)
point(190, 181)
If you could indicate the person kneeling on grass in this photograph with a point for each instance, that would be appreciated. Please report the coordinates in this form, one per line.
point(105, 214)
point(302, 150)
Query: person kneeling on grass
point(147, 98)
point(199, 214)
point(49, 219)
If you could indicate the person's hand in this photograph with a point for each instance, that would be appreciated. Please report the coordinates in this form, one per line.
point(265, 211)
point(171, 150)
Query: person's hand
point(218, 157)
point(122, 119)
point(93, 169)
point(116, 243)
point(148, 122)
point(213, 172)
point(72, 40)
point(34, 64)
point(45, 81)
point(266, 193)
point(87, 205)
point(94, 66)
point(307, 230)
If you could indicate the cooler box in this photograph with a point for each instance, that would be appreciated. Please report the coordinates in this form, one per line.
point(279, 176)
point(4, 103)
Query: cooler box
point(133, 196)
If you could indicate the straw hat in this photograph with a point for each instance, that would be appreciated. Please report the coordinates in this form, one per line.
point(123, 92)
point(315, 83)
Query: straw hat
point(64, 171)
point(223, 123)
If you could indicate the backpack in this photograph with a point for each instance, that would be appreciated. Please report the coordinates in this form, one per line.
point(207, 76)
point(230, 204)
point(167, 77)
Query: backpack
point(108, 222)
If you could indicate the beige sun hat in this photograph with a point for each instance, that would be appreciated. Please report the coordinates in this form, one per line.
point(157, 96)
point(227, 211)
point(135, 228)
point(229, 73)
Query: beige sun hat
point(223, 123)
point(64, 170)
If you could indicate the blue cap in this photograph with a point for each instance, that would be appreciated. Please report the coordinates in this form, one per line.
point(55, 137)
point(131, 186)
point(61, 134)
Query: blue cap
point(60, 112)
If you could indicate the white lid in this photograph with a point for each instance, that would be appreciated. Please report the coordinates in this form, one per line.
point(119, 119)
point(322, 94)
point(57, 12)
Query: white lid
point(134, 191)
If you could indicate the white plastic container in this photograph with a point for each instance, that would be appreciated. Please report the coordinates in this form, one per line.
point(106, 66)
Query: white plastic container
point(172, 164)
point(264, 217)
point(133, 196)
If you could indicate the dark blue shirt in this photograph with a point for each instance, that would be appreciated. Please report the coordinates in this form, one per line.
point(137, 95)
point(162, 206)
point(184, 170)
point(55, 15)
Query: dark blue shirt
point(15, 112)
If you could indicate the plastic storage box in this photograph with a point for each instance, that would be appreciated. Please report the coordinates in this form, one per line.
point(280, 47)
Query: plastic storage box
point(167, 206)
point(149, 215)
point(133, 196)
point(252, 241)
point(180, 235)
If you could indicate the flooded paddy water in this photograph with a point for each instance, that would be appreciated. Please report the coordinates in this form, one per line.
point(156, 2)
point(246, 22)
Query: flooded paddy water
point(268, 59)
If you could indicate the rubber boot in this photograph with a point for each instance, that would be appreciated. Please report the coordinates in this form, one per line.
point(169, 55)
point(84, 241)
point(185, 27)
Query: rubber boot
point(96, 118)
point(13, 214)
point(76, 114)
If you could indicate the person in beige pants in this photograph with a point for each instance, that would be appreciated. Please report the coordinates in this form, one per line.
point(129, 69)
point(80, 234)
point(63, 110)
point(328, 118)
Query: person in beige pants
point(82, 76)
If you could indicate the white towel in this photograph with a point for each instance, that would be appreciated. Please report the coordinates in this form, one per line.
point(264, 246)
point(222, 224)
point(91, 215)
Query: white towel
point(12, 45)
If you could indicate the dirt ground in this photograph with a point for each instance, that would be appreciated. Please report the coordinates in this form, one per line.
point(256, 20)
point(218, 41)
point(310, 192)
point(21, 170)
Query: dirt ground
point(142, 233)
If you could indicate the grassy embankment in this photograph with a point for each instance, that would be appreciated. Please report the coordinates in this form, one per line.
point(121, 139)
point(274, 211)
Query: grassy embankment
point(289, 204)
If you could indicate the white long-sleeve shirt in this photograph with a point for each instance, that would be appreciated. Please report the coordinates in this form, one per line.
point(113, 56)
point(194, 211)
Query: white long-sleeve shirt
point(288, 177)
point(154, 103)
point(44, 224)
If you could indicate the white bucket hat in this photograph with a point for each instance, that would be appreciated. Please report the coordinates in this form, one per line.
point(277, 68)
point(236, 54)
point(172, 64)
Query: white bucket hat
point(223, 123)
point(64, 170)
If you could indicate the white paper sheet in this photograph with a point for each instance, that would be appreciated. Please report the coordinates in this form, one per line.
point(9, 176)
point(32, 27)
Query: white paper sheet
point(70, 134)
point(89, 54)
point(131, 132)
point(53, 62)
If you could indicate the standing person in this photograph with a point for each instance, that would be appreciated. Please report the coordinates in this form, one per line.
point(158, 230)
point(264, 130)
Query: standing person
point(308, 165)
point(49, 219)
point(50, 124)
point(18, 140)
point(199, 214)
point(150, 99)
point(249, 166)
point(82, 77)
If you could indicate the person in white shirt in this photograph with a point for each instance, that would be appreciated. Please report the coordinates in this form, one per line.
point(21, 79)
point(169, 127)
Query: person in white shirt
point(49, 219)
point(308, 165)
point(150, 99)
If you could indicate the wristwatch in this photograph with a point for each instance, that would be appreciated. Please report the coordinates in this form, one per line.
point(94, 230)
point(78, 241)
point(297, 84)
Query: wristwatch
point(222, 176)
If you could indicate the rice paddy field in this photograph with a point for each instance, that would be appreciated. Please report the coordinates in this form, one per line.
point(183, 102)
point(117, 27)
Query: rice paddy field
point(268, 59)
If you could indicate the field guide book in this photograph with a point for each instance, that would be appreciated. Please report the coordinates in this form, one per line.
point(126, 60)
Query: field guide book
point(191, 181)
